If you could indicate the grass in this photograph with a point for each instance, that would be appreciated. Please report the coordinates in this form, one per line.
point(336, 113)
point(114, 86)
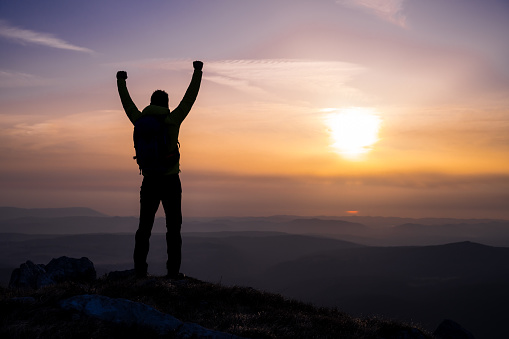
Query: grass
point(242, 311)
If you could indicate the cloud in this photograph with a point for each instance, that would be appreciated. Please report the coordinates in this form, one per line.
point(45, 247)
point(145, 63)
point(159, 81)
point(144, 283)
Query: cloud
point(292, 73)
point(77, 143)
point(273, 80)
point(389, 10)
point(9, 79)
point(27, 36)
point(276, 79)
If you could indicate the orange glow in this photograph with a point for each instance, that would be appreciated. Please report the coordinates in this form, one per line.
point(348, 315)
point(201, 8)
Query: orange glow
point(352, 212)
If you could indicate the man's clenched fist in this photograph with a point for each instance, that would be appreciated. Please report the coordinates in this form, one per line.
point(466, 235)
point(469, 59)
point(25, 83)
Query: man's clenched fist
point(198, 65)
point(122, 75)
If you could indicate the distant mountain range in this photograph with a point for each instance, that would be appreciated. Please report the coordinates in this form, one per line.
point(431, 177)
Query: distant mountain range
point(7, 213)
point(373, 231)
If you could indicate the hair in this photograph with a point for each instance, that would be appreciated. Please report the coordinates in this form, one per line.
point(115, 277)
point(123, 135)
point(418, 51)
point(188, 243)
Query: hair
point(160, 98)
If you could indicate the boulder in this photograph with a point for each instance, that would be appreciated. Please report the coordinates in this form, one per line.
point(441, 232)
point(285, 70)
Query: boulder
point(71, 269)
point(35, 276)
point(122, 311)
point(29, 275)
point(449, 329)
point(130, 313)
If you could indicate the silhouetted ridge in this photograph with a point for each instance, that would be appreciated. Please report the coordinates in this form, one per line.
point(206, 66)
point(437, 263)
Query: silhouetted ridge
point(68, 225)
point(320, 226)
point(467, 229)
point(15, 212)
point(466, 244)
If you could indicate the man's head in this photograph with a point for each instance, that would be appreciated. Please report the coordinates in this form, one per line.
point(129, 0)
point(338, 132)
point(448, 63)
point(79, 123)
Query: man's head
point(160, 98)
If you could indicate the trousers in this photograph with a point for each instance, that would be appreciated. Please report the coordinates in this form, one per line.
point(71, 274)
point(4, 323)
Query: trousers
point(154, 190)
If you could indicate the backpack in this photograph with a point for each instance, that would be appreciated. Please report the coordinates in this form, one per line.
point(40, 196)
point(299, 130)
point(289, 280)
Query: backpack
point(151, 145)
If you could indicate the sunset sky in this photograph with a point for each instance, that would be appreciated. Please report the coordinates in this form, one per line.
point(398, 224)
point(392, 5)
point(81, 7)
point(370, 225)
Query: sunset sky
point(383, 107)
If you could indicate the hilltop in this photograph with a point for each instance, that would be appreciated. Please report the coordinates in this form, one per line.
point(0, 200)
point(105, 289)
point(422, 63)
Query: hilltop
point(240, 311)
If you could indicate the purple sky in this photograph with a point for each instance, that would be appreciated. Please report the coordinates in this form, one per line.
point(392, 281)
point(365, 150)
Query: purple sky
point(268, 133)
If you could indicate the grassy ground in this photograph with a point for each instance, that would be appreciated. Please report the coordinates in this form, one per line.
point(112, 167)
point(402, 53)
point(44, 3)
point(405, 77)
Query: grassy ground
point(237, 310)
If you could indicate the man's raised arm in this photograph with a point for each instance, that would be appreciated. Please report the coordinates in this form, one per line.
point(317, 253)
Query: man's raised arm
point(181, 111)
point(129, 107)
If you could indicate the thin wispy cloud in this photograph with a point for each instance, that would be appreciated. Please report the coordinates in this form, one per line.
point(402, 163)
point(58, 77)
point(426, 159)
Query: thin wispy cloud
point(10, 79)
point(54, 135)
point(275, 75)
point(271, 78)
point(26, 36)
point(389, 10)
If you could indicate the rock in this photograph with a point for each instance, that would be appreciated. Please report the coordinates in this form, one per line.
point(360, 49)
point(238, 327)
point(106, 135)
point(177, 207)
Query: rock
point(449, 329)
point(71, 269)
point(191, 330)
point(122, 311)
point(127, 312)
point(30, 275)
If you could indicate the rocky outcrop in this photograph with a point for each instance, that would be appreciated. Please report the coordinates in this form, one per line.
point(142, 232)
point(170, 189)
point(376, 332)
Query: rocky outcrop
point(71, 269)
point(29, 275)
point(35, 276)
point(130, 313)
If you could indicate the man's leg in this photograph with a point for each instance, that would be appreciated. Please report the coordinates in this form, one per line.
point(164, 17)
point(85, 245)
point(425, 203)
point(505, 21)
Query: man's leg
point(172, 202)
point(149, 203)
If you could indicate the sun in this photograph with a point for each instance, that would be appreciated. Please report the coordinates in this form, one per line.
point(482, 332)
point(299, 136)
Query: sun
point(353, 130)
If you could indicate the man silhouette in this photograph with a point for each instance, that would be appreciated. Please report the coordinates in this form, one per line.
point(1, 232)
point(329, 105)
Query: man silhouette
point(166, 187)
